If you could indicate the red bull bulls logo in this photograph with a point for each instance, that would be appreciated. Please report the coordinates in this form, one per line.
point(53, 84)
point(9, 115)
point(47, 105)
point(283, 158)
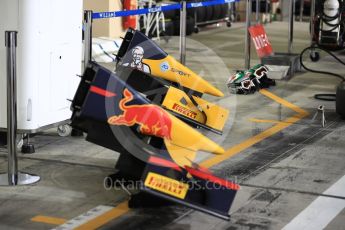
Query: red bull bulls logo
point(152, 119)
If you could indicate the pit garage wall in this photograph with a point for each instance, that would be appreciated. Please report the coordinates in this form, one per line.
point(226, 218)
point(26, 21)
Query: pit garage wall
point(106, 27)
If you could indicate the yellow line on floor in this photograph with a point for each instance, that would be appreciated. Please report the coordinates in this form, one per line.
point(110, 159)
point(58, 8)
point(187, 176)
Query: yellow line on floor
point(284, 102)
point(264, 120)
point(48, 220)
point(301, 113)
point(251, 141)
point(122, 208)
point(101, 220)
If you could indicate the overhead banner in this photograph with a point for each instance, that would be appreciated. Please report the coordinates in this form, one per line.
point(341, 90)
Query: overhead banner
point(262, 45)
point(162, 8)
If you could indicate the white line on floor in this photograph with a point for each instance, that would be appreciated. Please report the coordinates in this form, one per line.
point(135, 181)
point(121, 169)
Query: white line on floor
point(322, 210)
point(83, 218)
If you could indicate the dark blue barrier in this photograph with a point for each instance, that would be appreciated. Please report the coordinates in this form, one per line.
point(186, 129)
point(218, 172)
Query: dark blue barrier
point(100, 15)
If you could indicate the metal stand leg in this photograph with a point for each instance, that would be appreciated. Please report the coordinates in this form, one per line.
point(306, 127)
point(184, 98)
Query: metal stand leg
point(183, 15)
point(312, 25)
point(87, 37)
point(13, 177)
point(301, 10)
point(314, 56)
point(247, 36)
point(281, 10)
point(291, 22)
point(233, 12)
point(257, 15)
point(230, 15)
point(321, 111)
point(196, 28)
point(323, 118)
point(266, 12)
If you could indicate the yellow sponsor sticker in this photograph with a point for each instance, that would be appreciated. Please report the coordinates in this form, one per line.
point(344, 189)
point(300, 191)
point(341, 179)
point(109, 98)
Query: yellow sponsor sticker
point(166, 185)
point(180, 109)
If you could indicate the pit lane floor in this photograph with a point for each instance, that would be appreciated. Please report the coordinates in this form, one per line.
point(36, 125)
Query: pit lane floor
point(291, 170)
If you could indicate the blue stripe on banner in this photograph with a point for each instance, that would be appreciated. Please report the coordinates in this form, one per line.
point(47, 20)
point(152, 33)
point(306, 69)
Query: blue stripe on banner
point(209, 3)
point(135, 12)
point(125, 13)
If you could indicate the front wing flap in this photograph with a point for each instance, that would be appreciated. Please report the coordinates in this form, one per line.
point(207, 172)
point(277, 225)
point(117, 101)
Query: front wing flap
point(202, 191)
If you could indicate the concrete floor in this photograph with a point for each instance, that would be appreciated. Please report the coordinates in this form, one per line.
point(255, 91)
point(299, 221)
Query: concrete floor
point(286, 164)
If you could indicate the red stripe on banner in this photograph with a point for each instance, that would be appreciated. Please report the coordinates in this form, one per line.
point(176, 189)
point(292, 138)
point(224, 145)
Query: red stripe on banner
point(165, 163)
point(259, 37)
point(212, 178)
point(102, 92)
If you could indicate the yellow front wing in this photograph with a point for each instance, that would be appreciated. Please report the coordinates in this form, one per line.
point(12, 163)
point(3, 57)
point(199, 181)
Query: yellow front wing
point(212, 116)
point(170, 69)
